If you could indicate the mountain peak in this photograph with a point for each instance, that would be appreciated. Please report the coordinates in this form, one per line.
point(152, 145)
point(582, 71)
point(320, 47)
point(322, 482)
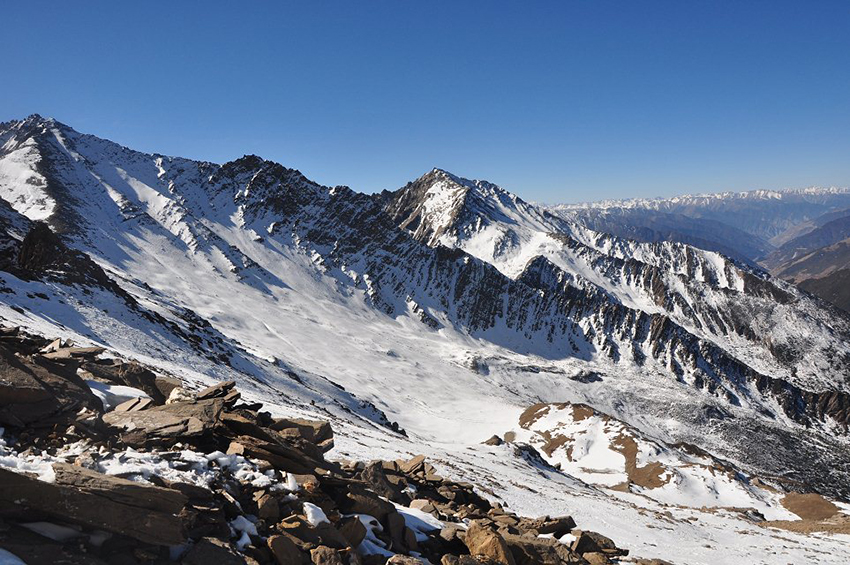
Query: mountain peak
point(429, 207)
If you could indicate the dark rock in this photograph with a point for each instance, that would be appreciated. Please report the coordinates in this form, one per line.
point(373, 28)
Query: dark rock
point(167, 424)
point(268, 508)
point(374, 476)
point(591, 542)
point(485, 541)
point(284, 550)
point(325, 556)
point(314, 431)
point(209, 551)
point(224, 390)
point(358, 500)
point(80, 496)
point(37, 392)
point(530, 550)
point(353, 530)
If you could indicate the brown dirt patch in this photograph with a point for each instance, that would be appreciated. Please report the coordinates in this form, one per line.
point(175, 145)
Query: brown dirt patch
point(648, 476)
point(553, 443)
point(582, 412)
point(838, 524)
point(809, 506)
point(532, 414)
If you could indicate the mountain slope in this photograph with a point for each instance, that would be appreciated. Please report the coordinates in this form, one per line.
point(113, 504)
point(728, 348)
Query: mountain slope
point(799, 248)
point(449, 307)
point(712, 324)
point(834, 288)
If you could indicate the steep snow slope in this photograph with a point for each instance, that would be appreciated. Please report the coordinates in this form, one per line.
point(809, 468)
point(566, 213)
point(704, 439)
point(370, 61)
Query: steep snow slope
point(308, 289)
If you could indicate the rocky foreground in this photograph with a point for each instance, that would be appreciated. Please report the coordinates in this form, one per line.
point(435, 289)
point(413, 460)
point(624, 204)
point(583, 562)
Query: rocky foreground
point(105, 461)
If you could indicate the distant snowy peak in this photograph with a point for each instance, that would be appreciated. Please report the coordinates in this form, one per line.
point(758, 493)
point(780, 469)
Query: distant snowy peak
point(810, 193)
point(768, 215)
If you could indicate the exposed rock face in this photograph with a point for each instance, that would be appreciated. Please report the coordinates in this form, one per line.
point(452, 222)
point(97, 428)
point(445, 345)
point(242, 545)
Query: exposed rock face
point(40, 393)
point(167, 424)
point(42, 254)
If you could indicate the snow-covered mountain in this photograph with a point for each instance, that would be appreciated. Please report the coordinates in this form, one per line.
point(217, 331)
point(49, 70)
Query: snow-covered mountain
point(445, 308)
point(715, 221)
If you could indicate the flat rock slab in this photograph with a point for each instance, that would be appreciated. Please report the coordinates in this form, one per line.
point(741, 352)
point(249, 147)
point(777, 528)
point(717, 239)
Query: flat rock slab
point(81, 496)
point(74, 352)
point(169, 423)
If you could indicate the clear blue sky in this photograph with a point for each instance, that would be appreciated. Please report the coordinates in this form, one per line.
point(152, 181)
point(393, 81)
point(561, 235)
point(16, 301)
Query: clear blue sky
point(557, 101)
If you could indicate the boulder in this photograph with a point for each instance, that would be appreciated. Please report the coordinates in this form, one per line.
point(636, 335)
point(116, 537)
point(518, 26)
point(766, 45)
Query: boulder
point(485, 541)
point(358, 500)
point(558, 526)
point(325, 556)
point(39, 393)
point(404, 560)
point(596, 558)
point(396, 527)
point(374, 476)
point(423, 504)
point(81, 496)
point(134, 375)
point(530, 550)
point(166, 425)
point(74, 353)
point(468, 560)
point(353, 530)
point(207, 551)
point(413, 465)
point(592, 542)
point(268, 508)
point(309, 536)
point(134, 405)
point(225, 390)
point(314, 431)
point(285, 552)
point(35, 549)
point(279, 455)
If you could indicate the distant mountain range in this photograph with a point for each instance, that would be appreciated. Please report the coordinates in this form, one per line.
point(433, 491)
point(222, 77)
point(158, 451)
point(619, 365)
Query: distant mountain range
point(445, 309)
point(798, 235)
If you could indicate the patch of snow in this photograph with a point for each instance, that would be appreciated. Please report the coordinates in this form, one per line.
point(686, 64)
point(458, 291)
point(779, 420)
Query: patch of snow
point(113, 395)
point(314, 514)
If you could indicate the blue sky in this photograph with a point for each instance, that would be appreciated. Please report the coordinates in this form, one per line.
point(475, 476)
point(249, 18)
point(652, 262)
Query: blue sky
point(556, 101)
